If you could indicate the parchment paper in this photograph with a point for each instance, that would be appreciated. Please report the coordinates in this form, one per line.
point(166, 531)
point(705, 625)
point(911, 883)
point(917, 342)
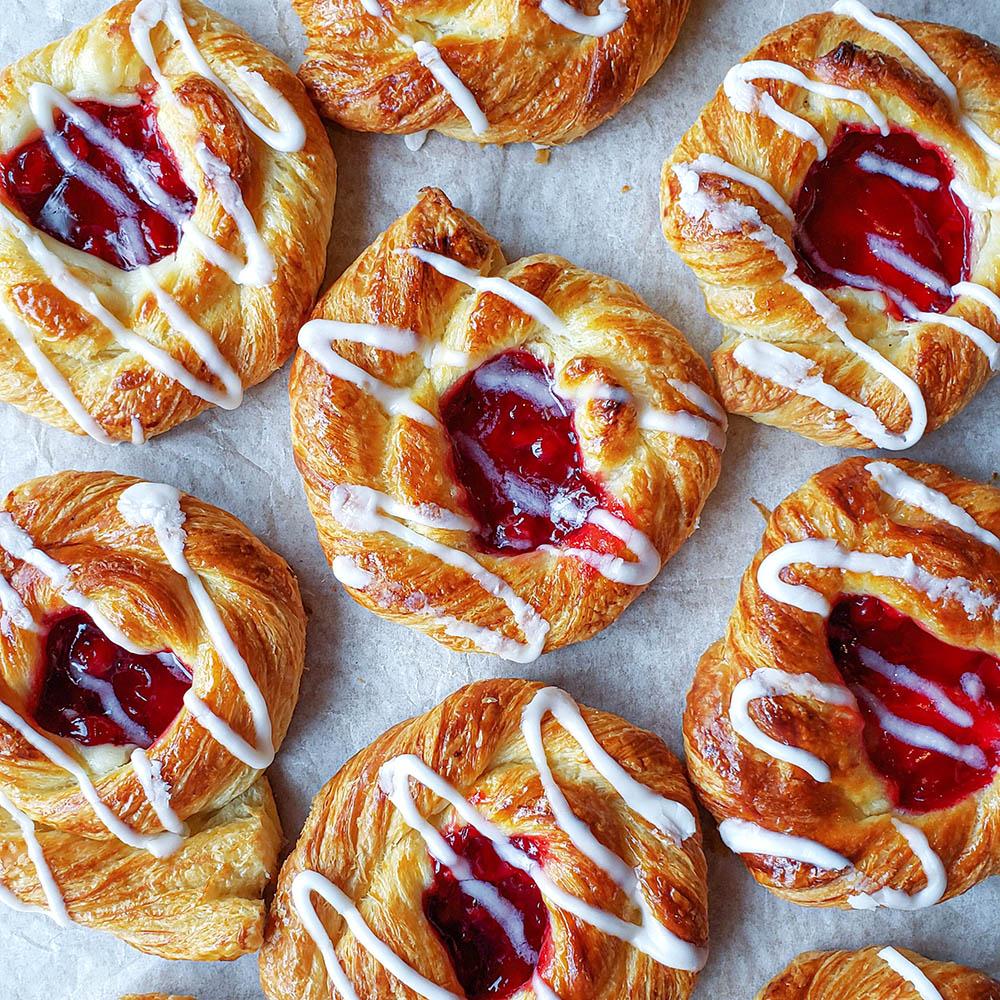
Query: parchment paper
point(364, 674)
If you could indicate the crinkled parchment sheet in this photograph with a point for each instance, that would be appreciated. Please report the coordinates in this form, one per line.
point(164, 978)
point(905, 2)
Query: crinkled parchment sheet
point(364, 674)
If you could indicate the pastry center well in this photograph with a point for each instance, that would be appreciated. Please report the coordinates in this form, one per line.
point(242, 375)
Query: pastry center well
point(493, 926)
point(878, 214)
point(93, 691)
point(93, 187)
point(517, 454)
point(931, 710)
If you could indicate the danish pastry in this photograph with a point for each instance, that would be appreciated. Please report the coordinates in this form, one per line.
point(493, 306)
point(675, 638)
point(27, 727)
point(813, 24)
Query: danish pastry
point(844, 732)
point(518, 71)
point(835, 201)
point(166, 194)
point(151, 650)
point(886, 973)
point(498, 455)
point(154, 996)
point(506, 841)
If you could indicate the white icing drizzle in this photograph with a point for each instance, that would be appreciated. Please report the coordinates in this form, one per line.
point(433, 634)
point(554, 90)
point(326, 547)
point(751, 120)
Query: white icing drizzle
point(649, 937)
point(745, 97)
point(872, 163)
point(157, 506)
point(636, 574)
point(160, 845)
point(769, 682)
point(898, 36)
point(149, 773)
point(50, 888)
point(922, 737)
point(743, 837)
point(822, 553)
point(308, 882)
point(610, 16)
point(909, 972)
point(259, 269)
point(350, 574)
point(735, 216)
point(793, 371)
point(364, 510)
point(897, 899)
point(290, 134)
point(14, 608)
point(973, 686)
point(316, 338)
point(20, 545)
point(76, 291)
point(912, 681)
point(976, 200)
point(49, 375)
point(495, 285)
point(431, 59)
point(138, 431)
point(897, 484)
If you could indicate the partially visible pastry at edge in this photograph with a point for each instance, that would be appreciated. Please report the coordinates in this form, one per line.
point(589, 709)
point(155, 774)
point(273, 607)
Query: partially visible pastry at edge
point(166, 195)
point(844, 731)
point(835, 201)
point(501, 456)
point(154, 996)
point(508, 843)
point(878, 974)
point(518, 71)
point(150, 650)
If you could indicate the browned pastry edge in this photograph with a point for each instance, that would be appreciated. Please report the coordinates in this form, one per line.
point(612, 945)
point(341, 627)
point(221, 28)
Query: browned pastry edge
point(205, 901)
point(343, 435)
point(355, 838)
point(534, 80)
point(852, 813)
point(836, 975)
point(742, 281)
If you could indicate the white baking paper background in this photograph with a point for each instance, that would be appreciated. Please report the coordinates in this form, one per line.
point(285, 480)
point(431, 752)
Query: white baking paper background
point(364, 674)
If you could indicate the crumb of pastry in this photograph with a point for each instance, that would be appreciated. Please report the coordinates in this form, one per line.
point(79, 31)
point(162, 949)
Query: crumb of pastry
point(626, 188)
point(543, 155)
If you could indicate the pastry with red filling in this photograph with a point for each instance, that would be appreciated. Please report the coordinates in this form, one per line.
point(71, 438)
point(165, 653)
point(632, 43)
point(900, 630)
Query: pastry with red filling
point(834, 200)
point(845, 732)
point(499, 455)
point(151, 649)
point(507, 843)
point(166, 195)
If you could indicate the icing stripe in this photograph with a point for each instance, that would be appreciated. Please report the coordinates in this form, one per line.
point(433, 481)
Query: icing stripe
point(157, 791)
point(610, 16)
point(364, 510)
point(50, 888)
point(897, 899)
point(909, 972)
point(736, 216)
point(157, 506)
point(769, 682)
point(823, 553)
point(872, 163)
point(433, 62)
point(290, 134)
point(636, 574)
point(747, 98)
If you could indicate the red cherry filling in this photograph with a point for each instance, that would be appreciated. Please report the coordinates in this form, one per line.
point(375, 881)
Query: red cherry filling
point(941, 703)
point(84, 197)
point(97, 693)
point(878, 213)
point(517, 455)
point(493, 936)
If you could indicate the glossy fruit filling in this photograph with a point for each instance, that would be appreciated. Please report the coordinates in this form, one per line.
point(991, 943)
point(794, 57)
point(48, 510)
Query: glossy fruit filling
point(931, 710)
point(517, 455)
point(878, 213)
point(493, 926)
point(86, 194)
point(93, 691)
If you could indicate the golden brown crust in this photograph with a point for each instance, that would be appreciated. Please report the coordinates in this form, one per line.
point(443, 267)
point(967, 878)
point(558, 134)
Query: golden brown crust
point(852, 813)
point(204, 902)
point(534, 80)
point(742, 280)
point(343, 435)
point(355, 838)
point(154, 996)
point(834, 975)
point(290, 196)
